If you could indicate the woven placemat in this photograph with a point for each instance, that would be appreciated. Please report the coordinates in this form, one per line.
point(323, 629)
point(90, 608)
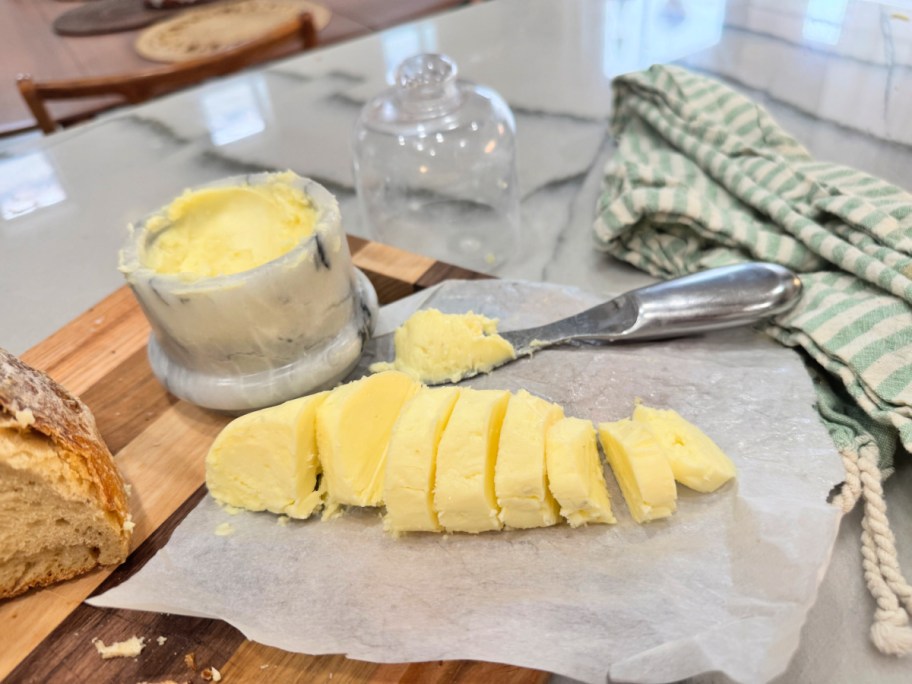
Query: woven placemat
point(203, 32)
point(97, 17)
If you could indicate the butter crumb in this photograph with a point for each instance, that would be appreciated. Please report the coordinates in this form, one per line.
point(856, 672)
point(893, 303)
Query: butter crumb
point(282, 520)
point(25, 418)
point(224, 530)
point(130, 648)
point(231, 510)
point(161, 640)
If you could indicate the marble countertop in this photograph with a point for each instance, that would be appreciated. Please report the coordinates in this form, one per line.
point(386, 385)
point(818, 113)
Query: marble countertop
point(836, 74)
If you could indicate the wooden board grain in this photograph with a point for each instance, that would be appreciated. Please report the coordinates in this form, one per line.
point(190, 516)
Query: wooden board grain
point(160, 444)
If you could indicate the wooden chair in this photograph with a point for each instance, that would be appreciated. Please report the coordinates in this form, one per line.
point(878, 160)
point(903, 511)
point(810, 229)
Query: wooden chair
point(138, 87)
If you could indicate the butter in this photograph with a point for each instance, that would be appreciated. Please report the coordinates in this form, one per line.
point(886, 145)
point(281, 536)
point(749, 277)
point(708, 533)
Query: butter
point(267, 460)
point(696, 461)
point(434, 347)
point(411, 461)
point(354, 425)
point(641, 469)
point(520, 476)
point(575, 473)
point(224, 230)
point(464, 494)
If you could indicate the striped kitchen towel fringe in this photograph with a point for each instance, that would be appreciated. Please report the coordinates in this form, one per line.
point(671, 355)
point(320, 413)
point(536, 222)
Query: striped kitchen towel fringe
point(704, 177)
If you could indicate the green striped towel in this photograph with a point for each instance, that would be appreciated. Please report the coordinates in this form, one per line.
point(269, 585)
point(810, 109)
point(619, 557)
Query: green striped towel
point(704, 177)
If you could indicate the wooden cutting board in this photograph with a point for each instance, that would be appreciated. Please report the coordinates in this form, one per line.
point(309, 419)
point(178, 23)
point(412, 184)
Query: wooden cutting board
point(159, 444)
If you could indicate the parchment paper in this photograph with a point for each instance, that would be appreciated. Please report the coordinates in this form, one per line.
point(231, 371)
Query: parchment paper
point(724, 585)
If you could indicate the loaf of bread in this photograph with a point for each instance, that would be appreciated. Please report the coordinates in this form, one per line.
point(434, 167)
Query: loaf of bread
point(63, 508)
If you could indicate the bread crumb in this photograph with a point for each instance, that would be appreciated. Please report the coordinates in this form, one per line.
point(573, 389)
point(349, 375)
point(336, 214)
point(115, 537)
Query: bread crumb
point(25, 418)
point(282, 520)
point(161, 640)
point(210, 674)
point(224, 530)
point(263, 667)
point(129, 648)
point(128, 524)
point(128, 488)
point(190, 660)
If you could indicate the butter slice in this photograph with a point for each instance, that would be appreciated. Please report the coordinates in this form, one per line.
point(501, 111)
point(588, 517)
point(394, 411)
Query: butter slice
point(575, 473)
point(696, 461)
point(520, 476)
point(464, 494)
point(641, 469)
point(411, 461)
point(354, 424)
point(435, 347)
point(267, 460)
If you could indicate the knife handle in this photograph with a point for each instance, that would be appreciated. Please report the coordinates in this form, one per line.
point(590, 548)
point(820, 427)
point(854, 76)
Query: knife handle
point(723, 297)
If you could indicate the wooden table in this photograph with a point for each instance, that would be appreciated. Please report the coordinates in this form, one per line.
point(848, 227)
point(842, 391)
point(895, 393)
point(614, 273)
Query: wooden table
point(28, 44)
point(159, 444)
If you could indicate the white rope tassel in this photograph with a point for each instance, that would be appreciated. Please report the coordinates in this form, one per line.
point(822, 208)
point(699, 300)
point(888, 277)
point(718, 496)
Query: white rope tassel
point(890, 632)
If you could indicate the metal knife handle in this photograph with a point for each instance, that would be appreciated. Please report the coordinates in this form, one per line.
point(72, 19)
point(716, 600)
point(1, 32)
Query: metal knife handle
point(718, 298)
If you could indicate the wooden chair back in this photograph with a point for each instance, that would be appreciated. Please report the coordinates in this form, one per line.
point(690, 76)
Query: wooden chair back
point(138, 87)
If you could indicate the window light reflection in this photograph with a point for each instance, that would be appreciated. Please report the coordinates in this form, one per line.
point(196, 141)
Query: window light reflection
point(28, 183)
point(236, 109)
point(640, 33)
point(823, 21)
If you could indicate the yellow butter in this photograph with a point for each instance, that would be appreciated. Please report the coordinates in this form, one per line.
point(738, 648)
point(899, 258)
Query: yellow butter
point(575, 473)
point(641, 469)
point(267, 460)
point(464, 493)
point(224, 230)
point(696, 461)
point(520, 476)
point(411, 461)
point(435, 347)
point(354, 425)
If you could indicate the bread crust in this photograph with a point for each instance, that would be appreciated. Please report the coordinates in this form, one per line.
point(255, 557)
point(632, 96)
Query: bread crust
point(40, 405)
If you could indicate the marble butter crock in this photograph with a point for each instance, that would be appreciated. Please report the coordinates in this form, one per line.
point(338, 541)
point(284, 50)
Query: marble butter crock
point(292, 326)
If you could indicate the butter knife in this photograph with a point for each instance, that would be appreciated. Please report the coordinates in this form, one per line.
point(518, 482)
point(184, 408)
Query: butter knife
point(714, 299)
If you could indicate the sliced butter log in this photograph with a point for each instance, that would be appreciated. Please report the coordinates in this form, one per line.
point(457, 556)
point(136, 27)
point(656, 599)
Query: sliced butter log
point(696, 461)
point(267, 460)
point(354, 425)
point(63, 506)
point(575, 473)
point(520, 476)
point(411, 461)
point(641, 469)
point(464, 491)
